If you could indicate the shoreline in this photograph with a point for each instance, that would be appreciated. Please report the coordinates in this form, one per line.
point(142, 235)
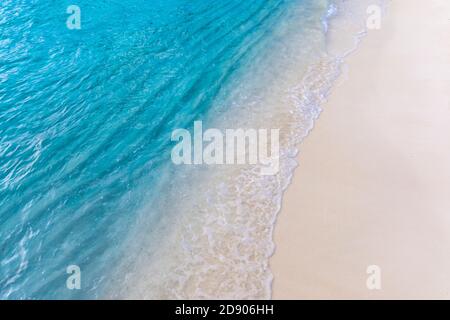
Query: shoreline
point(237, 253)
point(363, 192)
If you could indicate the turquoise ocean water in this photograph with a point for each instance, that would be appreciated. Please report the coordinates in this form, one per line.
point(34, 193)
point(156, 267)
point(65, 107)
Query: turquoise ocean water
point(86, 117)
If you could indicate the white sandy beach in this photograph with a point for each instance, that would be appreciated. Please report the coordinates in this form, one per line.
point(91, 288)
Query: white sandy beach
point(373, 184)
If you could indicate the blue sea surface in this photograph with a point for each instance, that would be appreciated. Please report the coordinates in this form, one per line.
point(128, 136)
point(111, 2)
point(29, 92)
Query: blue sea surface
point(86, 117)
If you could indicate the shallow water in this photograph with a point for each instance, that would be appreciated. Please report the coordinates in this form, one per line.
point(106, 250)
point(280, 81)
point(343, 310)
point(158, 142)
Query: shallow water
point(85, 123)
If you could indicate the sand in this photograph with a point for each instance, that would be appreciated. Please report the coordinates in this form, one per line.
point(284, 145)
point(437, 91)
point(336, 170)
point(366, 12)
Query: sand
point(373, 182)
